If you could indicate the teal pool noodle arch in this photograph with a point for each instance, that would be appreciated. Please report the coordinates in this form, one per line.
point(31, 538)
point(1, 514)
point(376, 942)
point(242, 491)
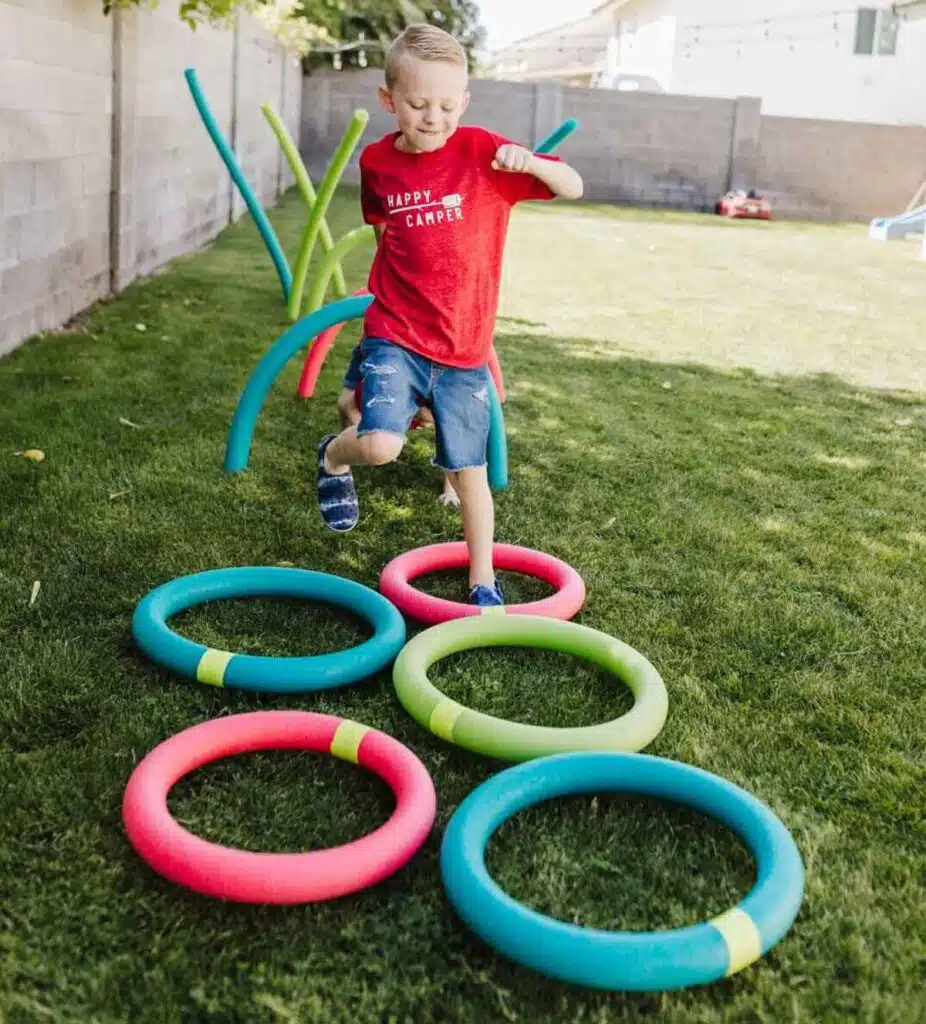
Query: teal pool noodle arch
point(247, 193)
point(274, 360)
point(559, 135)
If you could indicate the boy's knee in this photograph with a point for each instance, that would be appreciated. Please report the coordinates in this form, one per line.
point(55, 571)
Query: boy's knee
point(380, 447)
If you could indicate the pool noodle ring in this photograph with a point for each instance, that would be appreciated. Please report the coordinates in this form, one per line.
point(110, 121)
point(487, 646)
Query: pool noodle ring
point(281, 878)
point(264, 674)
point(616, 960)
point(394, 582)
point(516, 741)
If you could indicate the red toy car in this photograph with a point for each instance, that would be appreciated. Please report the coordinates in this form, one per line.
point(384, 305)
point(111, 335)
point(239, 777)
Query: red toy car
point(740, 203)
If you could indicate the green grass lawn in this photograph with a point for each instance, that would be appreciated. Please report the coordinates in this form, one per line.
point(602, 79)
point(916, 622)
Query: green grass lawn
point(708, 420)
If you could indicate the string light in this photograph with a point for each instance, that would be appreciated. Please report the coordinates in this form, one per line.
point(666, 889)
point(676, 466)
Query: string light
point(780, 29)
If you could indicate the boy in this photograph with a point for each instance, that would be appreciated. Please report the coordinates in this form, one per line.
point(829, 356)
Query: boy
point(439, 198)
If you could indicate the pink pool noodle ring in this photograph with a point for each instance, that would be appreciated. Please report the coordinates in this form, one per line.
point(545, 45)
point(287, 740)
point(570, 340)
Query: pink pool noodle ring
point(280, 878)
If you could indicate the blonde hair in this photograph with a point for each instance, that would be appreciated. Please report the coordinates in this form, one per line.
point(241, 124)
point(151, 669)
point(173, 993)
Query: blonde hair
point(426, 42)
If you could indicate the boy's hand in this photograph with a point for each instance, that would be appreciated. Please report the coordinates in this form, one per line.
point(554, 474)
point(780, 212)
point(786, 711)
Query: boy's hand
point(514, 159)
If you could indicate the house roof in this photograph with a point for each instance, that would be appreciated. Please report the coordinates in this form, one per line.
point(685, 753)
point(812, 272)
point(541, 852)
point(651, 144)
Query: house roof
point(910, 8)
point(576, 47)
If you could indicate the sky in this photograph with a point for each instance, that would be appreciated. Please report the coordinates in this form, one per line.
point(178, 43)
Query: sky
point(507, 20)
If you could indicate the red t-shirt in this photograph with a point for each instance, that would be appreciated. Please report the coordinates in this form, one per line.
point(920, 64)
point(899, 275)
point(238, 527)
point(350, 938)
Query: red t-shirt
point(436, 275)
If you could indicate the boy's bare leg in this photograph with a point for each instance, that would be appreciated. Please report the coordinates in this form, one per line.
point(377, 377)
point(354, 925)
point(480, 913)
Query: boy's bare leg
point(350, 416)
point(348, 450)
point(449, 495)
point(347, 408)
point(478, 510)
point(337, 496)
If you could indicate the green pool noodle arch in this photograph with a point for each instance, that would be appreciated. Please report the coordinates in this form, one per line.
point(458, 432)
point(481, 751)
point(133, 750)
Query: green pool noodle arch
point(274, 360)
point(320, 208)
point(332, 261)
point(304, 183)
point(247, 193)
point(318, 348)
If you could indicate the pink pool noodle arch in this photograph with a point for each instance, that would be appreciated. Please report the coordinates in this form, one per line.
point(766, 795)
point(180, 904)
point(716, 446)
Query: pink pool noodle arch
point(318, 350)
point(495, 368)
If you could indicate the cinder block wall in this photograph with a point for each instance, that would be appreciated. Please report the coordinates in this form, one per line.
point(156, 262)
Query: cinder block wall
point(835, 169)
point(650, 150)
point(174, 191)
point(106, 171)
point(641, 149)
point(260, 80)
point(329, 101)
point(55, 137)
point(659, 150)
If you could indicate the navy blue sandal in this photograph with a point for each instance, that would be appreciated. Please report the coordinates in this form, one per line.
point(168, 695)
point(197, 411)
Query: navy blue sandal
point(337, 496)
point(486, 597)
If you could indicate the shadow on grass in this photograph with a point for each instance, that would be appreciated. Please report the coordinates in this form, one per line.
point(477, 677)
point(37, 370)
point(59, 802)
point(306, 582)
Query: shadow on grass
point(754, 538)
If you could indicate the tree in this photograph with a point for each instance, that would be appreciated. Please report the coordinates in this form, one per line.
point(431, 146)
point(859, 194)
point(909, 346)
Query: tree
point(191, 11)
point(322, 31)
point(323, 14)
point(380, 21)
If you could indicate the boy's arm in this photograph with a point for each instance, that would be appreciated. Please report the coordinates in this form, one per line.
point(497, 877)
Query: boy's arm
point(561, 179)
point(379, 230)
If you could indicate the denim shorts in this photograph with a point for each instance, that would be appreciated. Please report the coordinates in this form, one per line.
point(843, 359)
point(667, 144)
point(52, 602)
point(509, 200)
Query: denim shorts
point(396, 382)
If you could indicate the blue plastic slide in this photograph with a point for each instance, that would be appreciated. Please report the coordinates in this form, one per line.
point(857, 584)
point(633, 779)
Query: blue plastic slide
point(886, 229)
